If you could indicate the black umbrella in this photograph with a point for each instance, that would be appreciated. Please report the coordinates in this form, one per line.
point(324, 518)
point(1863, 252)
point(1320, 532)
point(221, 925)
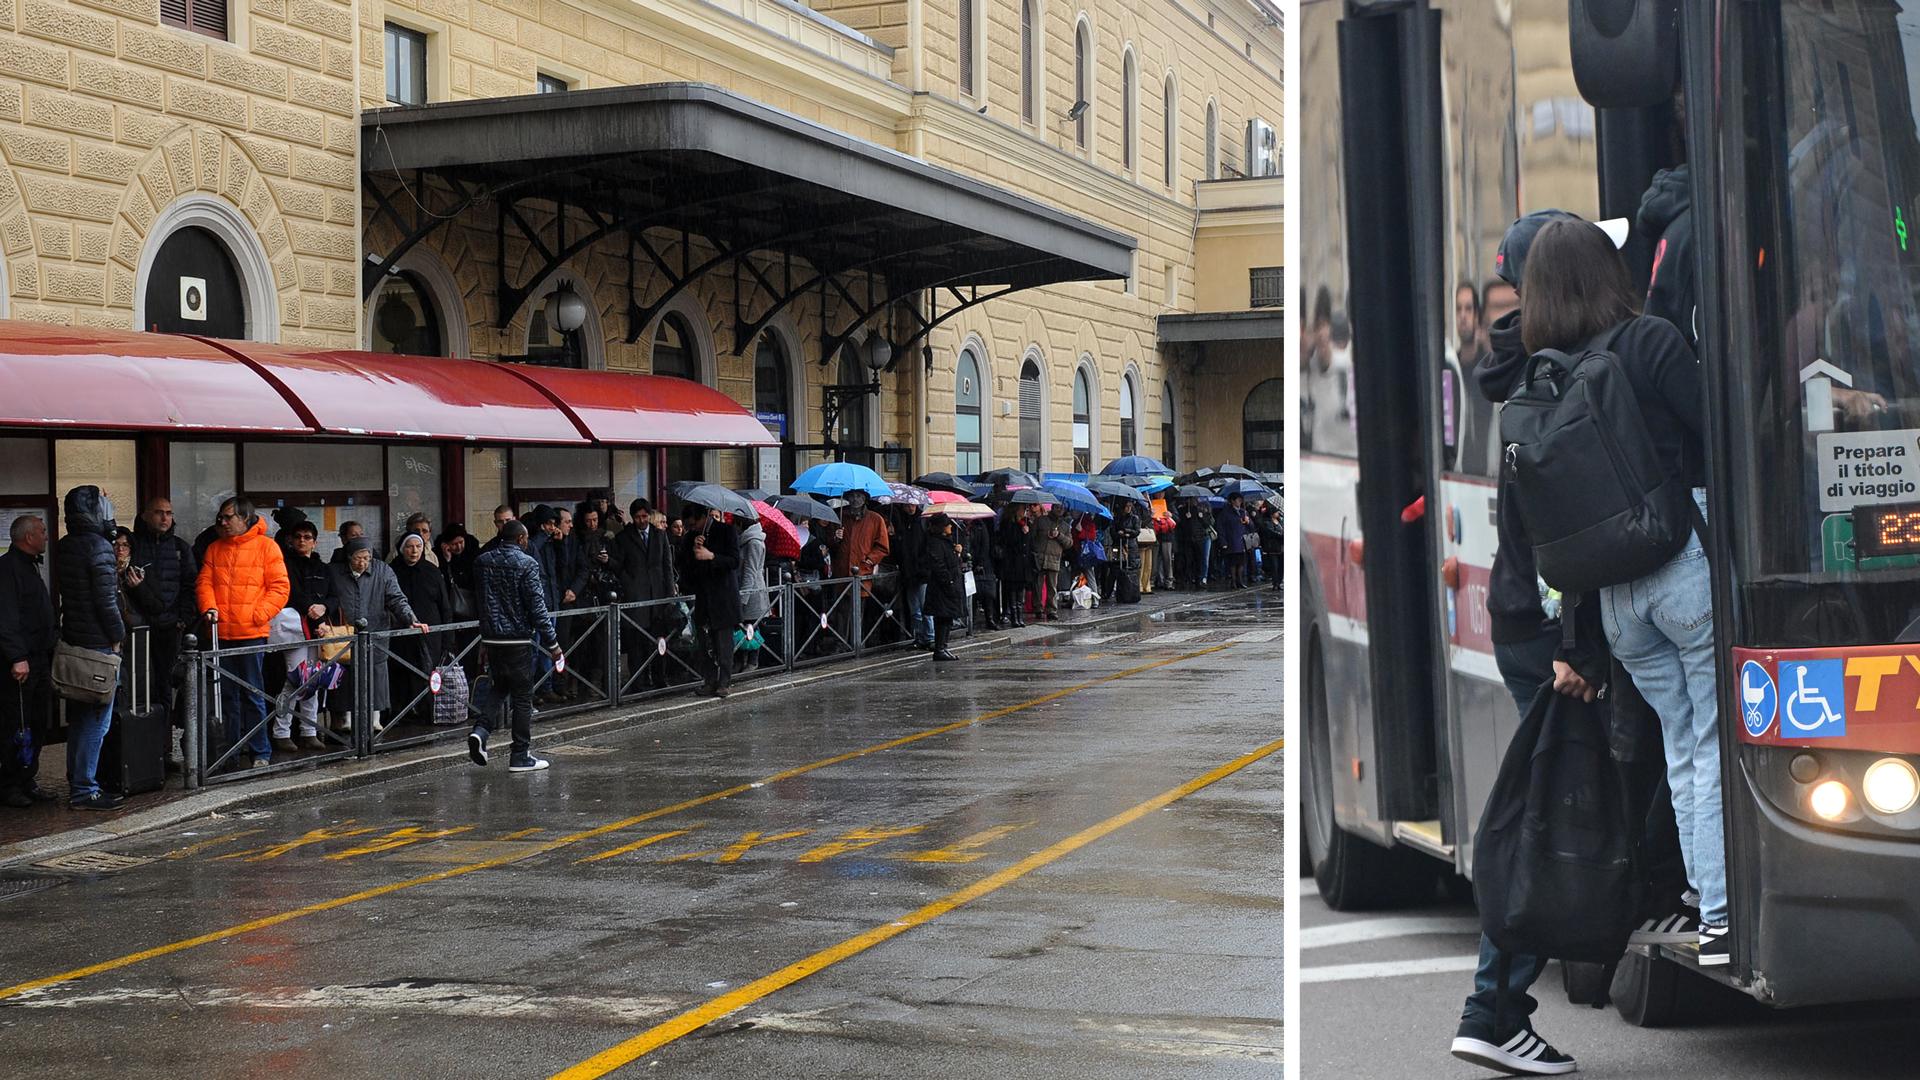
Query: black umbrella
point(756, 495)
point(1247, 489)
point(940, 481)
point(1113, 490)
point(800, 507)
point(1030, 495)
point(714, 497)
point(1014, 476)
point(1192, 491)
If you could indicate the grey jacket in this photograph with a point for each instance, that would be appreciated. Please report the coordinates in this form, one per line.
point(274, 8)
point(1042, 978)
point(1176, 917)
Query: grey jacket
point(754, 601)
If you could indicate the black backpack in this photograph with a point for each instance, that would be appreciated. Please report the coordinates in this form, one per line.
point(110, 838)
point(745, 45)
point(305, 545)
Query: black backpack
point(1555, 869)
point(1597, 502)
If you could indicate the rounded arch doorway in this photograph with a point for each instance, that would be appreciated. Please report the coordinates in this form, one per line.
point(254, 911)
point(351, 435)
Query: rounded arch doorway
point(194, 287)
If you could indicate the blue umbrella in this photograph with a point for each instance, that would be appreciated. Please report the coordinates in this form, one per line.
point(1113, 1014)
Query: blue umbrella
point(840, 477)
point(1134, 465)
point(1247, 489)
point(1076, 497)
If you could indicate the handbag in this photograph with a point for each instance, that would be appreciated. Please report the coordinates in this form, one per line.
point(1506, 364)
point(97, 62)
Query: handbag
point(83, 675)
point(336, 645)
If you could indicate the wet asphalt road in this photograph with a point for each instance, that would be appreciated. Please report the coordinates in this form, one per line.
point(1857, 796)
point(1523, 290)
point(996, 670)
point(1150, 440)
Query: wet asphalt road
point(1414, 967)
point(476, 923)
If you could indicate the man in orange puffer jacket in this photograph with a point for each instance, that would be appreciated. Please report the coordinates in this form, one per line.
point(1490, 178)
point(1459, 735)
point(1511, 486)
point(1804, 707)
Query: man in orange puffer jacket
point(242, 586)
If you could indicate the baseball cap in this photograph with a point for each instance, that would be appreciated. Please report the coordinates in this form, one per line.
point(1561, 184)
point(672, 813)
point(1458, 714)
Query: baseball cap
point(1510, 260)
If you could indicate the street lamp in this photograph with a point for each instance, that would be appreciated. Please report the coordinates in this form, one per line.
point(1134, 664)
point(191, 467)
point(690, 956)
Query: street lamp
point(836, 398)
point(566, 311)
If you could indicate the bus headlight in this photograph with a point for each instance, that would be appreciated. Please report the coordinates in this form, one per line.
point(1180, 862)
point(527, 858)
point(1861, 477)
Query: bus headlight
point(1890, 786)
point(1829, 800)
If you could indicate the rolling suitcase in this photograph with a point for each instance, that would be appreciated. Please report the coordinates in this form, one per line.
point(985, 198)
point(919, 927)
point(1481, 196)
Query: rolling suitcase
point(1127, 585)
point(133, 759)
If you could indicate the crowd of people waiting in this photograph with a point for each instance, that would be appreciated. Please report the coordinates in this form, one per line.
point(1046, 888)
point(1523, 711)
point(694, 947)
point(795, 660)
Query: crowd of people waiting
point(236, 585)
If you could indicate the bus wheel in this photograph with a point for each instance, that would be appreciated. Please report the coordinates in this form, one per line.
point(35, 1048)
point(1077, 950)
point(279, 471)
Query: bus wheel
point(1353, 873)
point(1586, 984)
point(1645, 990)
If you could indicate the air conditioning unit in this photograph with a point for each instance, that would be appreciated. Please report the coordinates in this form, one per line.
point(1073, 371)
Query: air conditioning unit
point(1263, 149)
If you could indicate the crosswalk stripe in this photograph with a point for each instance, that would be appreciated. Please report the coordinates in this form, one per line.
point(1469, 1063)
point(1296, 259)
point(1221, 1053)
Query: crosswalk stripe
point(1255, 637)
point(1351, 933)
point(1096, 639)
point(1390, 970)
point(1173, 636)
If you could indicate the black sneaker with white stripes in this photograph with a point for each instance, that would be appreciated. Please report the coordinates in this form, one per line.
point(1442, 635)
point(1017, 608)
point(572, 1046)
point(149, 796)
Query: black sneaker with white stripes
point(1715, 949)
point(1521, 1052)
point(1679, 928)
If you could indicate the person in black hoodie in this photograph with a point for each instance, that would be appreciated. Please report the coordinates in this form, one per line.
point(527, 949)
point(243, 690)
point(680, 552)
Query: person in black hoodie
point(1666, 211)
point(90, 619)
point(169, 565)
point(1527, 648)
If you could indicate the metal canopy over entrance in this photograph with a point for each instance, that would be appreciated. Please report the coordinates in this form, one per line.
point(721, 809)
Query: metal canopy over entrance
point(745, 178)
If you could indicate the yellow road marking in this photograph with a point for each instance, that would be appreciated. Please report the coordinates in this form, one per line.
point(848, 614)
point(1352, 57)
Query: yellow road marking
point(963, 851)
point(855, 840)
point(733, 851)
point(559, 842)
point(197, 848)
point(692, 1020)
point(398, 838)
point(314, 836)
point(635, 846)
point(523, 833)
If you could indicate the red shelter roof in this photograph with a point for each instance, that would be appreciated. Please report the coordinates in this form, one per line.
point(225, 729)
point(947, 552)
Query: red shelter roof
point(649, 409)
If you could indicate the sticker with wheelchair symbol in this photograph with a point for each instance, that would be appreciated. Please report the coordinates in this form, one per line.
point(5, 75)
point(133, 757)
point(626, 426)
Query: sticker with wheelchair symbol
point(1759, 700)
point(1816, 705)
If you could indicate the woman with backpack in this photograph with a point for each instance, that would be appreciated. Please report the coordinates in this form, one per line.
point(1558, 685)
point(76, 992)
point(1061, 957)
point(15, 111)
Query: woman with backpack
point(1579, 299)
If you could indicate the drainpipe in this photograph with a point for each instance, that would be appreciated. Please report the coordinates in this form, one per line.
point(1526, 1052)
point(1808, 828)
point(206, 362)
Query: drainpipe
point(921, 371)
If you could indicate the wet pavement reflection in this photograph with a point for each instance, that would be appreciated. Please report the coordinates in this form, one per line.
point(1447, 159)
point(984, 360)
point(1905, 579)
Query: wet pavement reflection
point(1058, 858)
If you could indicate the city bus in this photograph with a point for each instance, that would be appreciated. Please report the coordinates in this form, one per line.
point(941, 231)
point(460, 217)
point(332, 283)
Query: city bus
point(1426, 127)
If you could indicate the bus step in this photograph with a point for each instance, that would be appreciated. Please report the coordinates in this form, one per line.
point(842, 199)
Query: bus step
point(1425, 836)
point(1689, 957)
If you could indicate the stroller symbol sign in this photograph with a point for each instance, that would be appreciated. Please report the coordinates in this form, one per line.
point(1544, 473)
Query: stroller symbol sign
point(1759, 700)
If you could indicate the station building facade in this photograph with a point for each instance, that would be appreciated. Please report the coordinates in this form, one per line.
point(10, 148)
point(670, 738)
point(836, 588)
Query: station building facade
point(951, 234)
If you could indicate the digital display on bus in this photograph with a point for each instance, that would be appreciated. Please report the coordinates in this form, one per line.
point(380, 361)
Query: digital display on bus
point(1886, 530)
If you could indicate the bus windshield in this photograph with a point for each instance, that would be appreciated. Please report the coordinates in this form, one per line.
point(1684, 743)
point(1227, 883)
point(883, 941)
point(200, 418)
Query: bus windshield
point(1831, 415)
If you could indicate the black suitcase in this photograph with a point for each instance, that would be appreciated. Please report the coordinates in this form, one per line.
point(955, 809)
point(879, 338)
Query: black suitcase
point(133, 759)
point(1127, 588)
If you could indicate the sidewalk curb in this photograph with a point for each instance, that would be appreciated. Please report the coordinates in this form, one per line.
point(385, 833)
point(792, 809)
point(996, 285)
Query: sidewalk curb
point(366, 772)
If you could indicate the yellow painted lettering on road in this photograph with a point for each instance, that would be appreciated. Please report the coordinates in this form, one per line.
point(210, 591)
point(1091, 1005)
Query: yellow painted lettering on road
point(855, 840)
point(964, 851)
point(635, 846)
point(732, 852)
point(316, 836)
point(398, 838)
point(197, 848)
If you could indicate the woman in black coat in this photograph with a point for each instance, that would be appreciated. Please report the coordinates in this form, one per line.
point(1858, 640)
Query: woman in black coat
point(425, 588)
point(981, 541)
point(1013, 560)
point(946, 582)
point(710, 573)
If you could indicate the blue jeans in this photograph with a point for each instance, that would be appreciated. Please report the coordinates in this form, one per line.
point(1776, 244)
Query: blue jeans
point(1206, 558)
point(87, 725)
point(244, 708)
point(1524, 666)
point(916, 617)
point(1661, 630)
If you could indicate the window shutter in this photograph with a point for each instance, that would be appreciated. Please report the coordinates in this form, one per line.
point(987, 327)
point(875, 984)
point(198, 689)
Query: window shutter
point(208, 16)
point(173, 12)
point(966, 46)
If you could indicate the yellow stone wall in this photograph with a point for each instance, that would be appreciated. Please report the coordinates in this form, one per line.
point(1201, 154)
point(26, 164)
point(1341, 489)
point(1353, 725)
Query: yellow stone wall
point(900, 90)
point(108, 117)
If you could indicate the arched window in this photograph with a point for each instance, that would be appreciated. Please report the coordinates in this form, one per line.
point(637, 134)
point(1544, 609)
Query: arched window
point(404, 319)
point(1213, 141)
point(194, 287)
point(967, 61)
point(1169, 444)
point(1030, 405)
point(967, 456)
point(1263, 420)
point(673, 350)
point(1029, 87)
point(855, 427)
point(1169, 128)
point(771, 392)
point(1129, 101)
point(1129, 439)
point(1082, 423)
point(1082, 84)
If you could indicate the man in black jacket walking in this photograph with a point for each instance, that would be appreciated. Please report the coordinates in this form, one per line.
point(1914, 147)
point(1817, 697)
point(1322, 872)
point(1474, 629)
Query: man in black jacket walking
point(90, 608)
point(27, 637)
point(514, 619)
point(711, 557)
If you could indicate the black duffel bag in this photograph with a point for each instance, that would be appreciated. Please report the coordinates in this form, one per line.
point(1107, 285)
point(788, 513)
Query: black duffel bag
point(1555, 860)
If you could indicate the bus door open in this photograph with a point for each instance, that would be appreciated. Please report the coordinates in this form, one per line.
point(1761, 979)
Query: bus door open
point(1389, 77)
